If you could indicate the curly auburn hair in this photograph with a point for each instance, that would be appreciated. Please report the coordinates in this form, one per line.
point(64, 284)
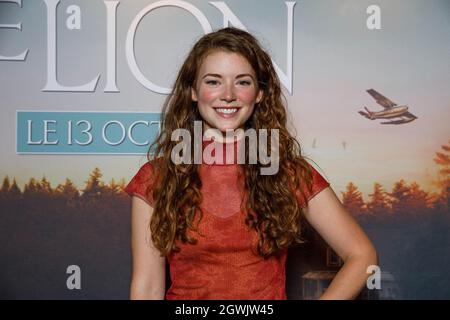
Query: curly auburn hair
point(272, 208)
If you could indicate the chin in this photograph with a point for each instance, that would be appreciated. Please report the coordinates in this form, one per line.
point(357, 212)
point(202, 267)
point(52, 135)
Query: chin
point(224, 129)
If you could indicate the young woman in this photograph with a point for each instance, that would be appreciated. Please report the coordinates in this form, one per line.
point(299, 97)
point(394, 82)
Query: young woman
point(223, 226)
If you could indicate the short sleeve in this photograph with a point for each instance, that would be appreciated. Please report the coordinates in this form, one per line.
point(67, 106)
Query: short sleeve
point(142, 184)
point(318, 184)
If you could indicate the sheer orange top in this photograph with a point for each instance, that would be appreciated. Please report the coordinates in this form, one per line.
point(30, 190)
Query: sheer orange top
point(223, 264)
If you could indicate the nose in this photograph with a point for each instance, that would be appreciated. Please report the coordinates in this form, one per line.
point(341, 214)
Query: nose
point(228, 93)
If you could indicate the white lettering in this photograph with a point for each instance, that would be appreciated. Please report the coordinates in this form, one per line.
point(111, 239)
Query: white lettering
point(129, 46)
point(74, 281)
point(52, 82)
point(111, 8)
point(374, 280)
point(47, 131)
point(30, 135)
point(374, 20)
point(130, 132)
point(18, 26)
point(73, 22)
point(104, 132)
point(86, 131)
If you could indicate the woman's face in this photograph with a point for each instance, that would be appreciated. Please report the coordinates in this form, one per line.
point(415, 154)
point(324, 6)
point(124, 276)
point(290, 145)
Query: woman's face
point(226, 91)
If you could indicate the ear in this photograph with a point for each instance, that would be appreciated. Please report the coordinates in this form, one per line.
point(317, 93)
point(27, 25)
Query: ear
point(259, 96)
point(193, 94)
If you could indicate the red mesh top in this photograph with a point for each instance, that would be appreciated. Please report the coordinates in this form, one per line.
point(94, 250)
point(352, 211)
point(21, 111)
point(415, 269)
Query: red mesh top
point(223, 264)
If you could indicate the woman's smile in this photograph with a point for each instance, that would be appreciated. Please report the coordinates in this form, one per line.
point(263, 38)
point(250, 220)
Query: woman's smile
point(227, 113)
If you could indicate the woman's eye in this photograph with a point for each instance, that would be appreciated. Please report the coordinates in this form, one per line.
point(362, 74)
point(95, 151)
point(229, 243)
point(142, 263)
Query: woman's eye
point(245, 82)
point(212, 82)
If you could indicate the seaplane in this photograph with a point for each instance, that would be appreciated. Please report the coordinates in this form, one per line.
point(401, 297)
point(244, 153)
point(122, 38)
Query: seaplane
point(398, 114)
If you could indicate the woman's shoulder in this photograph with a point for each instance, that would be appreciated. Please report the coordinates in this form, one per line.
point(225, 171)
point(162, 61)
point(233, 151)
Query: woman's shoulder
point(311, 183)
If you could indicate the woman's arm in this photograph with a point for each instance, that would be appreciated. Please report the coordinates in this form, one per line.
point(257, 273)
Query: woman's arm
point(337, 227)
point(148, 275)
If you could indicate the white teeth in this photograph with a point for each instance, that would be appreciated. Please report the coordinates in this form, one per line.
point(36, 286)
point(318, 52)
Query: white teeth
point(227, 110)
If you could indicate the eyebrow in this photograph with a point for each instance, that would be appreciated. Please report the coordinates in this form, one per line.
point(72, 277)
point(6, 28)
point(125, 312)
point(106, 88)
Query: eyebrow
point(237, 77)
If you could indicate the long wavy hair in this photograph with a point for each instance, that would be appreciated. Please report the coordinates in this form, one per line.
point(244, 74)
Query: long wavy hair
point(271, 206)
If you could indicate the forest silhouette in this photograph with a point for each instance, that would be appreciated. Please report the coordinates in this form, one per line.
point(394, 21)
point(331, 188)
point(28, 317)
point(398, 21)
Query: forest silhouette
point(43, 230)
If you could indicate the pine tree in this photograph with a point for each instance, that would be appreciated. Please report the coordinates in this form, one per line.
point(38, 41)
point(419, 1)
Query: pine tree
point(5, 185)
point(115, 187)
point(442, 159)
point(95, 187)
point(4, 190)
point(352, 200)
point(122, 183)
point(30, 189)
point(379, 202)
point(419, 200)
point(121, 189)
point(400, 197)
point(46, 187)
point(44, 191)
point(68, 189)
point(14, 191)
point(69, 192)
